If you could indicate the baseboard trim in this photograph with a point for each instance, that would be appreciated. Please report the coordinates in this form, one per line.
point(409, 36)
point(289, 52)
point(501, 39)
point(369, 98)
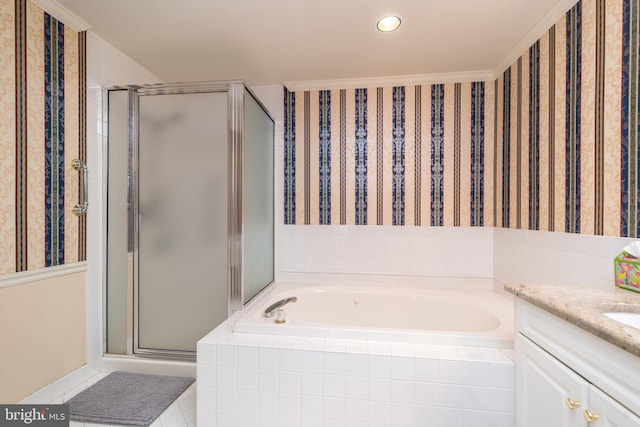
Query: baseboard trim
point(56, 389)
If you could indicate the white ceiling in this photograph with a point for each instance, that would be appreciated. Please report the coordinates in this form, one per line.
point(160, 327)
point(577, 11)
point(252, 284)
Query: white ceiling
point(275, 41)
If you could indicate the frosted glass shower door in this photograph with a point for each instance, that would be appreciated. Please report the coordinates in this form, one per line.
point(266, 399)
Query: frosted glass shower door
point(182, 233)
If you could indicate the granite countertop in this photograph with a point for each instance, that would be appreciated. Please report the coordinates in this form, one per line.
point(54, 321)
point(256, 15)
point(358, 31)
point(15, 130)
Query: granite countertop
point(584, 307)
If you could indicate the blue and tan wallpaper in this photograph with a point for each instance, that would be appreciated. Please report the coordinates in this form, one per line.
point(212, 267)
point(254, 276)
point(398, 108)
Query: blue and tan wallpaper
point(42, 129)
point(551, 144)
point(405, 155)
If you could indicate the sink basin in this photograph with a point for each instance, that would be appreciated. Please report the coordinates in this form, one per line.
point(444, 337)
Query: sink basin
point(625, 317)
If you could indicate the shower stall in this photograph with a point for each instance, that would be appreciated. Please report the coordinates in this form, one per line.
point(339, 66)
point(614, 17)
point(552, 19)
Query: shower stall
point(189, 212)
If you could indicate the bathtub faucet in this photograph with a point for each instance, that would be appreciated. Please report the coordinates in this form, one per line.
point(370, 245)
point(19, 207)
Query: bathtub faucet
point(271, 310)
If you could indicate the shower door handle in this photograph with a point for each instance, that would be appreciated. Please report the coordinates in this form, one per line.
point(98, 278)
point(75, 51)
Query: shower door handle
point(81, 208)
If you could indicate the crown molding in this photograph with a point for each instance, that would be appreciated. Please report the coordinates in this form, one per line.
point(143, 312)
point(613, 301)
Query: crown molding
point(549, 20)
point(62, 14)
point(405, 80)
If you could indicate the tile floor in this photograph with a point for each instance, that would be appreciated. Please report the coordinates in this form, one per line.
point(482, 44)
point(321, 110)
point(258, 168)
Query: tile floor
point(181, 413)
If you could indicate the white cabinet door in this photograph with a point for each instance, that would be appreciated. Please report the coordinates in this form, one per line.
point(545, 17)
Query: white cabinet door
point(609, 412)
point(543, 387)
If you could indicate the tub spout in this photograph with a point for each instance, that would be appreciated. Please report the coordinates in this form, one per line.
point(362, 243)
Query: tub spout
point(271, 310)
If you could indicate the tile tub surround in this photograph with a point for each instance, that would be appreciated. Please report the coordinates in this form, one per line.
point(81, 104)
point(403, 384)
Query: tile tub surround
point(262, 380)
point(584, 307)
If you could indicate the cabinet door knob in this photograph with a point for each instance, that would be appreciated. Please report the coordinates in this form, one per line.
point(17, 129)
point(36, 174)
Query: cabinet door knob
point(572, 404)
point(591, 417)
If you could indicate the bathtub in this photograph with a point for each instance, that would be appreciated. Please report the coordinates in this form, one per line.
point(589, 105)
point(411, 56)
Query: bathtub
point(436, 354)
point(456, 315)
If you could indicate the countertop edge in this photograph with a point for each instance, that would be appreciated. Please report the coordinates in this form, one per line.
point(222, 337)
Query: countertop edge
point(583, 309)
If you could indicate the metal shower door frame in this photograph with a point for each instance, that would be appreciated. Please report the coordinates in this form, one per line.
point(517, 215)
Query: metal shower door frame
point(235, 106)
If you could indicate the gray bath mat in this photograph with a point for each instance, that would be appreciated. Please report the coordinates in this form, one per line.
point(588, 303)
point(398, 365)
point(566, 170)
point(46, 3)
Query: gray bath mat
point(127, 398)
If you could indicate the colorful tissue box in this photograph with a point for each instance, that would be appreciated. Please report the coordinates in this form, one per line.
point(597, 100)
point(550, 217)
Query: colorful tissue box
point(627, 271)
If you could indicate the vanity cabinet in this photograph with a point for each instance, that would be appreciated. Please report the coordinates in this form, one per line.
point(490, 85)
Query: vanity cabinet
point(610, 413)
point(551, 394)
point(566, 377)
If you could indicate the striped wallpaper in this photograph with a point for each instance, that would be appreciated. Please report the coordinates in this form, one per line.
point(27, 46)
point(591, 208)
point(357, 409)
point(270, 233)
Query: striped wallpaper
point(551, 144)
point(398, 156)
point(42, 128)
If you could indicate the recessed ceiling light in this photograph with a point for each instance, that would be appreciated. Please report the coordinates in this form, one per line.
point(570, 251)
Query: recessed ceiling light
point(388, 23)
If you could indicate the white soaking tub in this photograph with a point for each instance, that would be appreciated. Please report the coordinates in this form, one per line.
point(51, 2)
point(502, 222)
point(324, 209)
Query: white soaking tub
point(436, 353)
point(464, 315)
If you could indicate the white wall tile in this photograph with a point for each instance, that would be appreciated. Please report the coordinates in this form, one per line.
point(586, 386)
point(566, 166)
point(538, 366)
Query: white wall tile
point(247, 419)
point(380, 412)
point(207, 417)
point(312, 384)
point(334, 386)
point(248, 357)
point(268, 402)
point(311, 406)
point(403, 368)
point(501, 400)
point(403, 392)
point(289, 421)
point(501, 375)
point(268, 358)
point(290, 382)
point(379, 348)
point(334, 408)
point(290, 404)
point(502, 420)
point(380, 389)
point(352, 251)
point(312, 422)
point(290, 360)
point(427, 369)
point(476, 398)
point(357, 346)
point(357, 388)
point(451, 372)
point(450, 417)
point(553, 258)
point(312, 362)
point(427, 394)
point(402, 415)
point(247, 401)
point(208, 374)
point(477, 419)
point(247, 379)
point(268, 381)
point(357, 410)
point(227, 356)
point(334, 363)
point(379, 366)
point(227, 399)
point(357, 365)
point(451, 396)
point(268, 420)
point(206, 397)
point(476, 373)
point(226, 377)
